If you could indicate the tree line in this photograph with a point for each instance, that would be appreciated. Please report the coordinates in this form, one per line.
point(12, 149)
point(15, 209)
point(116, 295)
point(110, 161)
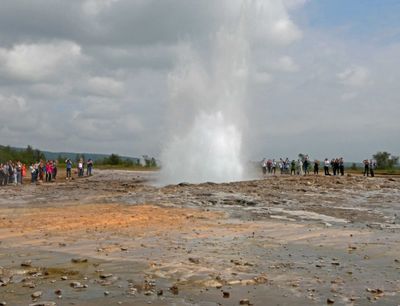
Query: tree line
point(115, 160)
point(26, 156)
point(385, 160)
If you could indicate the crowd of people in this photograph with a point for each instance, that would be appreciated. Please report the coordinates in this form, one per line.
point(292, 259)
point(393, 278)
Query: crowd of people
point(12, 173)
point(303, 166)
point(369, 167)
point(41, 171)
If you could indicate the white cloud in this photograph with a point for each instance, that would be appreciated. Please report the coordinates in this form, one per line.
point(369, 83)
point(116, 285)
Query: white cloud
point(105, 86)
point(94, 7)
point(294, 4)
point(12, 104)
point(269, 22)
point(286, 63)
point(34, 62)
point(355, 76)
point(262, 77)
point(347, 96)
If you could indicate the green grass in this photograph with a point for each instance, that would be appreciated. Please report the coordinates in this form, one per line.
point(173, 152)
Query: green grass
point(115, 167)
point(126, 167)
point(377, 171)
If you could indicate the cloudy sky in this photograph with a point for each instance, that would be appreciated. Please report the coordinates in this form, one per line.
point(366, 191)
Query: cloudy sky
point(94, 75)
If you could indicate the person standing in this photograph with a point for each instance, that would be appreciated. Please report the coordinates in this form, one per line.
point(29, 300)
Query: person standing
point(89, 167)
point(299, 167)
point(1, 174)
point(326, 166)
point(54, 173)
point(49, 171)
point(305, 166)
point(32, 169)
point(274, 166)
point(10, 172)
point(18, 172)
point(68, 166)
point(372, 166)
point(80, 168)
point(264, 166)
point(293, 167)
point(366, 167)
point(316, 167)
point(23, 172)
point(341, 166)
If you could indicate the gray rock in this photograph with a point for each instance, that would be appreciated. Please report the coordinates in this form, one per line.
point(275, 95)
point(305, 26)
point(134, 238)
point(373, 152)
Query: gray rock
point(58, 291)
point(36, 294)
point(79, 260)
point(29, 285)
point(26, 263)
point(194, 260)
point(44, 303)
point(76, 285)
point(174, 289)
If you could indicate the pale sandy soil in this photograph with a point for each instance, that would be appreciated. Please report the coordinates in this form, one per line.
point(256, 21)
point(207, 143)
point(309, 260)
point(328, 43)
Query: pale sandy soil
point(277, 241)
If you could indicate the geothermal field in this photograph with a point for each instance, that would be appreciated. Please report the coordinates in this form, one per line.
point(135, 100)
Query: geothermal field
point(117, 238)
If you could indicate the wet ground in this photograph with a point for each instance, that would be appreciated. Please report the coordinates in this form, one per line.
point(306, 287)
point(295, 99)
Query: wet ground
point(116, 239)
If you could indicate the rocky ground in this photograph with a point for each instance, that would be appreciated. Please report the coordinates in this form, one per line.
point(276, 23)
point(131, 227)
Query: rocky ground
point(118, 239)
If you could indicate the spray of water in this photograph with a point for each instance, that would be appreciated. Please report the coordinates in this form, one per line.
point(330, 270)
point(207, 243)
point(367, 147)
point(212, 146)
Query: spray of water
point(206, 97)
point(207, 92)
point(208, 152)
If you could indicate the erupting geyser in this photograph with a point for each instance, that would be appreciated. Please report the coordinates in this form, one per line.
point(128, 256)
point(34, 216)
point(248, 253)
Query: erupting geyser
point(207, 92)
point(209, 151)
point(206, 98)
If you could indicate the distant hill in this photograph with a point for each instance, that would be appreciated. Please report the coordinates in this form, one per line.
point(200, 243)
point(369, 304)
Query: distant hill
point(72, 155)
point(94, 156)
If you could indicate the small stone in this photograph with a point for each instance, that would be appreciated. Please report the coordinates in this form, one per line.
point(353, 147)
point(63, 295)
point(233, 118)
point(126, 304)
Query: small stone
point(103, 276)
point(64, 277)
point(244, 302)
point(194, 260)
point(29, 285)
point(124, 249)
point(79, 260)
point(106, 293)
point(174, 289)
point(160, 292)
point(226, 294)
point(330, 301)
point(2, 303)
point(58, 291)
point(76, 285)
point(26, 263)
point(43, 304)
point(36, 294)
